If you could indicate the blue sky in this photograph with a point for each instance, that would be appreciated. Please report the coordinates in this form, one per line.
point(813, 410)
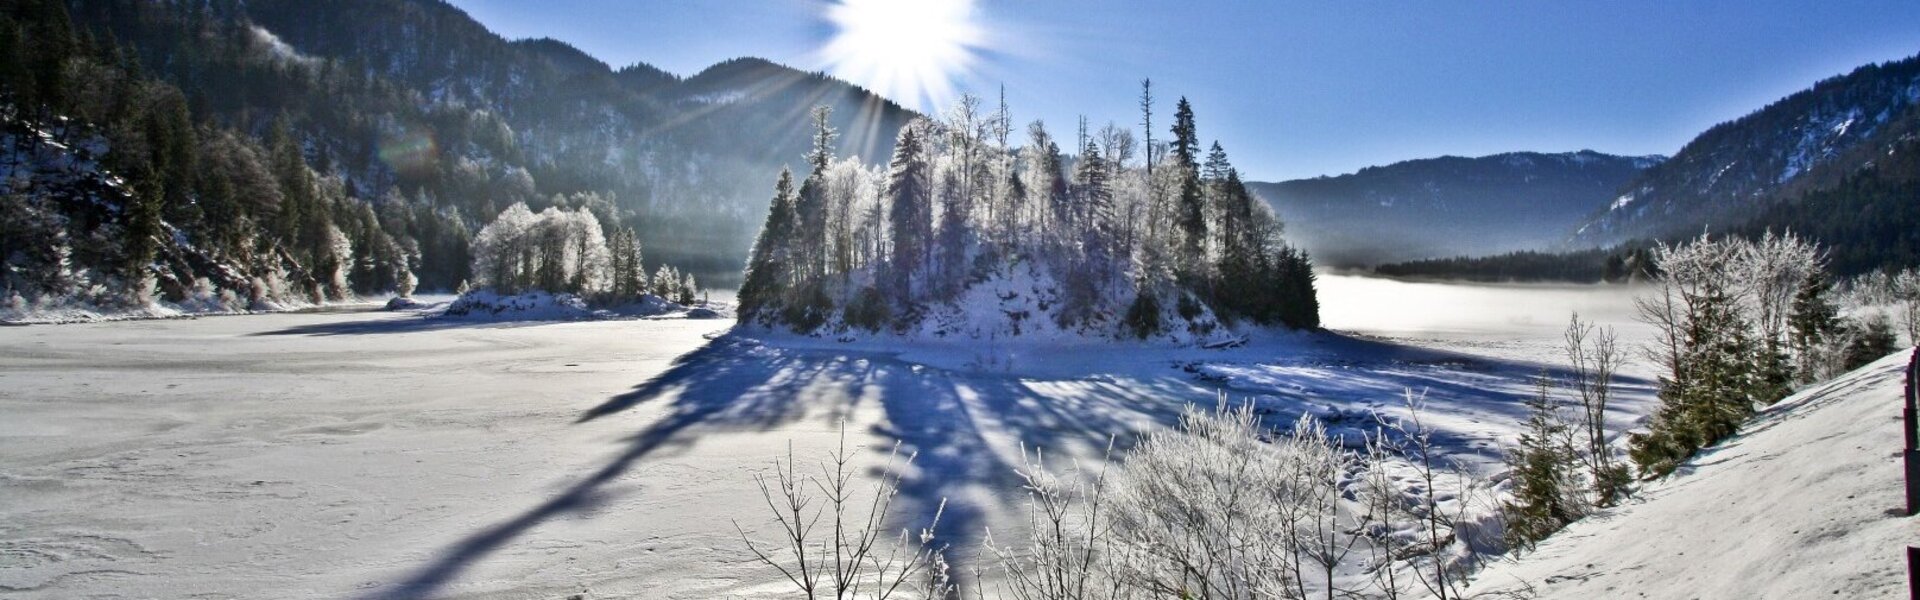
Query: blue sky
point(1300, 89)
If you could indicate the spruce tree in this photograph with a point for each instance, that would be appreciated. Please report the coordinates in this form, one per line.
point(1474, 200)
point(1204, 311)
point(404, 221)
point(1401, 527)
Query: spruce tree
point(1710, 391)
point(909, 216)
point(1545, 489)
point(1812, 321)
point(809, 254)
point(142, 231)
point(768, 271)
point(1190, 213)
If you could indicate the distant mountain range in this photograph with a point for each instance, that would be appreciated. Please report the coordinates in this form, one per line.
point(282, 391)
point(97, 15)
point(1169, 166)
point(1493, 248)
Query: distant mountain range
point(1805, 143)
point(1847, 145)
point(1448, 206)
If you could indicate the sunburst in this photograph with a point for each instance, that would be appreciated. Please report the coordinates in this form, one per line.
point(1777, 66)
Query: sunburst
point(909, 50)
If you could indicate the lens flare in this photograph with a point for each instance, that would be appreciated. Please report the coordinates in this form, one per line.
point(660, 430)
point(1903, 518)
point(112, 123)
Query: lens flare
point(908, 50)
point(410, 152)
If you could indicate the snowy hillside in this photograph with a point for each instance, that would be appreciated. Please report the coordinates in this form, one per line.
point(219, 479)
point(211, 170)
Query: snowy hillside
point(1801, 504)
point(64, 222)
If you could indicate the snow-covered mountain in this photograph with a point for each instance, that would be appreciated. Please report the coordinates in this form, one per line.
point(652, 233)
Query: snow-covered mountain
point(1805, 142)
point(1448, 206)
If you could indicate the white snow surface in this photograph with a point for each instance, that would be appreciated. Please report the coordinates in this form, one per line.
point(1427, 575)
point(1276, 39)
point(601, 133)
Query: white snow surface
point(378, 454)
point(1803, 503)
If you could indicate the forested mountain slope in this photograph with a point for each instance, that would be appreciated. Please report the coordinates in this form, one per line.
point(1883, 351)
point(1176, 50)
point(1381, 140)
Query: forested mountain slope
point(1807, 142)
point(1448, 206)
point(377, 136)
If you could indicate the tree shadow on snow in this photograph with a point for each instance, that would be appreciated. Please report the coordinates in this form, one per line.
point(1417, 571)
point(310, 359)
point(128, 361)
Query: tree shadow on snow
point(410, 323)
point(966, 429)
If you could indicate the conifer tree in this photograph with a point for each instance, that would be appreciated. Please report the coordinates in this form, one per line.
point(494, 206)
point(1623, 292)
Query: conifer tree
point(1812, 321)
point(1190, 213)
point(768, 271)
point(809, 254)
point(910, 193)
point(1709, 392)
point(143, 231)
point(1545, 490)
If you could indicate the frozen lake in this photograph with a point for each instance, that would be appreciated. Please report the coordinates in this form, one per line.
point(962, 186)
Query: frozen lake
point(381, 455)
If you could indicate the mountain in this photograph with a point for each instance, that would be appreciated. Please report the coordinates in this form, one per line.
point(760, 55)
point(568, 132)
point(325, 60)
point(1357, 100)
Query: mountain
point(688, 156)
point(1448, 206)
point(343, 147)
point(1810, 141)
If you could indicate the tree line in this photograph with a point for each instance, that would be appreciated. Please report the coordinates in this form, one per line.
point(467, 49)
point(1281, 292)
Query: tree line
point(1132, 237)
point(1617, 265)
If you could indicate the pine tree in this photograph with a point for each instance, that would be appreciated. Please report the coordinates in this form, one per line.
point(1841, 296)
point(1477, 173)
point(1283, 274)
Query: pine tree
point(689, 290)
point(49, 43)
point(173, 150)
point(1091, 222)
point(1190, 210)
point(1710, 391)
point(1545, 489)
point(1811, 323)
point(910, 218)
point(142, 243)
point(768, 271)
point(809, 253)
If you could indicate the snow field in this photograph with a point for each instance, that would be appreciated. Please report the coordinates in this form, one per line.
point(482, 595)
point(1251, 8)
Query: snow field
point(384, 455)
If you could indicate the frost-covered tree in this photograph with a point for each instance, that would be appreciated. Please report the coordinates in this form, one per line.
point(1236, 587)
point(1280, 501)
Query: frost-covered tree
point(811, 206)
point(626, 270)
point(1774, 268)
point(957, 207)
point(910, 217)
point(558, 251)
point(1813, 328)
point(1906, 287)
point(1190, 212)
point(1708, 349)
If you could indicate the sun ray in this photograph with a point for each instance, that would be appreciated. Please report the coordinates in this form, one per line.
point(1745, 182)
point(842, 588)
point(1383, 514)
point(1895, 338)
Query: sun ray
point(908, 50)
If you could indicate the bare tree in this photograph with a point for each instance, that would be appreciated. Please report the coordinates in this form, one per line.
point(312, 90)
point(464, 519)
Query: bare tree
point(1326, 534)
point(1386, 502)
point(1442, 574)
point(1070, 547)
point(848, 559)
point(1593, 356)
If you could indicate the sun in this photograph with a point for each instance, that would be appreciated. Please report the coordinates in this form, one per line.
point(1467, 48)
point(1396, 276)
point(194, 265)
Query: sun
point(908, 50)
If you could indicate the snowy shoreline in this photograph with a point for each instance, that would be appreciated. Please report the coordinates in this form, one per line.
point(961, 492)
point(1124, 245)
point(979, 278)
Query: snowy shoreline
point(162, 312)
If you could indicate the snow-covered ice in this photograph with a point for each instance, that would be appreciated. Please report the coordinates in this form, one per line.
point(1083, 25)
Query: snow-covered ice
point(380, 454)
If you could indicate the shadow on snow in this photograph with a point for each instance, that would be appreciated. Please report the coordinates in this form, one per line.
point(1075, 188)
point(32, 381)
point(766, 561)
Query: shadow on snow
point(965, 428)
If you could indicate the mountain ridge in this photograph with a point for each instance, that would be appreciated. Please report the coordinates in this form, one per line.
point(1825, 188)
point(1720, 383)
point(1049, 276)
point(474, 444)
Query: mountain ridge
point(1447, 205)
point(1806, 141)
